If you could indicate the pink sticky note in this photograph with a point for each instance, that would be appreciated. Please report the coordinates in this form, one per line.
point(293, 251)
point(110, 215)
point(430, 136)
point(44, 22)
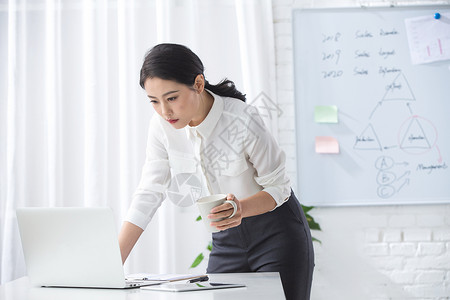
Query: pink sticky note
point(327, 144)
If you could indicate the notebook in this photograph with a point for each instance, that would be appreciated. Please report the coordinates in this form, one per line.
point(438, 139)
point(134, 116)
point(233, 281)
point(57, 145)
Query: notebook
point(72, 247)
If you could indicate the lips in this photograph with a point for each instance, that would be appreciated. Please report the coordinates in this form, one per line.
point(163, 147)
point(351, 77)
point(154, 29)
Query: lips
point(172, 121)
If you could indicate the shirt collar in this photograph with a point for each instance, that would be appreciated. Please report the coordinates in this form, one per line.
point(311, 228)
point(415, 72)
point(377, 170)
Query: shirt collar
point(212, 118)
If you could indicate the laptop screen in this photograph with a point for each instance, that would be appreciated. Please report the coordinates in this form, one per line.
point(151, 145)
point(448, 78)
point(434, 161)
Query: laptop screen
point(73, 247)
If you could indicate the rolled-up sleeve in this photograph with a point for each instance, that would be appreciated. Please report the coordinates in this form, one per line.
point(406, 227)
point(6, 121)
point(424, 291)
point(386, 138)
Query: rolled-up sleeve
point(154, 181)
point(267, 158)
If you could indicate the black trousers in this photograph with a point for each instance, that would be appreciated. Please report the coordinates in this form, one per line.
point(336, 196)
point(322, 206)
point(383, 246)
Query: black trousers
point(277, 241)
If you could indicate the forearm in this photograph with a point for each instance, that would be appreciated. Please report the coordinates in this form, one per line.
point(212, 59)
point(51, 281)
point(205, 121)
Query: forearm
point(128, 236)
point(257, 204)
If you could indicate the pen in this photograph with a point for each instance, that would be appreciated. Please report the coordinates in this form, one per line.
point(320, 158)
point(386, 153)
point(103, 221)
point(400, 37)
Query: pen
point(199, 279)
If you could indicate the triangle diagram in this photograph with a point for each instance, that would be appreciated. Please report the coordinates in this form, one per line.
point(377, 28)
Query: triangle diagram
point(399, 89)
point(367, 140)
point(415, 137)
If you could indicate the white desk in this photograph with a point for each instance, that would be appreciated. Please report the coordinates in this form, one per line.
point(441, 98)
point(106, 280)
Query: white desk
point(259, 286)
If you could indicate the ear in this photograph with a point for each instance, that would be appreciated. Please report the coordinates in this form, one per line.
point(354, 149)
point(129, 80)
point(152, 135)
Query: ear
point(199, 83)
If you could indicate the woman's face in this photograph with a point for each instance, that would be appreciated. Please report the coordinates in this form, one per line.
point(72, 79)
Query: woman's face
point(176, 103)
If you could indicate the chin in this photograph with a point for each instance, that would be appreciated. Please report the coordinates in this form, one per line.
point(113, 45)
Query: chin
point(179, 125)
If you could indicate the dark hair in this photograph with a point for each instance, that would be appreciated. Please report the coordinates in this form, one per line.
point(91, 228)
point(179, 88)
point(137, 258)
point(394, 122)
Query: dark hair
point(178, 63)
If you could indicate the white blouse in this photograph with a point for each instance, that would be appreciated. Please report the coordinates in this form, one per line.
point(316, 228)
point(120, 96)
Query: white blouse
point(231, 151)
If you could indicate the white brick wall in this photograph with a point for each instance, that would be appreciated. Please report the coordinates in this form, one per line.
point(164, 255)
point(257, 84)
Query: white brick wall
point(386, 252)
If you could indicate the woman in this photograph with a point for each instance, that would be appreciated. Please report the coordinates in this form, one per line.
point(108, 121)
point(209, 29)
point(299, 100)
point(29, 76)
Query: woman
point(209, 131)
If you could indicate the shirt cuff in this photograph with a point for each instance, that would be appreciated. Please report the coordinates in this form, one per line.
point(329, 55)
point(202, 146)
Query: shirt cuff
point(280, 196)
point(137, 218)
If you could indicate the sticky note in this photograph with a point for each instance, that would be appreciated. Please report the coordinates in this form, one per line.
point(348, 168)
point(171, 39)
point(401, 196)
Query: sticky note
point(326, 114)
point(327, 144)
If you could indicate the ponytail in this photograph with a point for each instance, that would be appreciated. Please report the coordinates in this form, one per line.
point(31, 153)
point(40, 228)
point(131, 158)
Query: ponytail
point(225, 88)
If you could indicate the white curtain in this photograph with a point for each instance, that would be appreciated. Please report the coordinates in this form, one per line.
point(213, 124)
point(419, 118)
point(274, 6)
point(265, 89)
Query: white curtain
point(73, 118)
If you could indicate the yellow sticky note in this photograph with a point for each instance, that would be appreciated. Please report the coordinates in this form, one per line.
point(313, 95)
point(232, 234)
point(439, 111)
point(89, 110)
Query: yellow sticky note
point(327, 144)
point(326, 114)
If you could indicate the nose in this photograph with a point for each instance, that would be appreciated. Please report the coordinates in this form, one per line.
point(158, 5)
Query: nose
point(166, 111)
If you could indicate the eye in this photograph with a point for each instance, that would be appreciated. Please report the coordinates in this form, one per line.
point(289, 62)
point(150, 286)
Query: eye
point(153, 101)
point(172, 98)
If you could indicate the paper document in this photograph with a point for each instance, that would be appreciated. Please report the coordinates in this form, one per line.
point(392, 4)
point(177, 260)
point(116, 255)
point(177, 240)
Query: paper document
point(428, 38)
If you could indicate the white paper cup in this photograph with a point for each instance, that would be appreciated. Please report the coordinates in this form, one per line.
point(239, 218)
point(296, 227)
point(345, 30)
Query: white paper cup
point(205, 204)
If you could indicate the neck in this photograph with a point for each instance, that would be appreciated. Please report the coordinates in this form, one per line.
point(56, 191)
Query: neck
point(206, 102)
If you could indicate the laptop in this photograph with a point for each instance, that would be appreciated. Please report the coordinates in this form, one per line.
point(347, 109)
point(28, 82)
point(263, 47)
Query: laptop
point(72, 247)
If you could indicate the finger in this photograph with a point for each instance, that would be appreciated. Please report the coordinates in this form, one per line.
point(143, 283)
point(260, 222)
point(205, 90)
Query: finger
point(226, 221)
point(221, 208)
point(227, 225)
point(221, 214)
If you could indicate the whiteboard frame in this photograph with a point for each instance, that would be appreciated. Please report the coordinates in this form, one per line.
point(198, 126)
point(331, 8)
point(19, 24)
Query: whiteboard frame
point(297, 98)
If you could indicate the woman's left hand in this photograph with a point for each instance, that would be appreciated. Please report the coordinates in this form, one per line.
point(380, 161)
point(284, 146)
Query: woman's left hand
point(225, 211)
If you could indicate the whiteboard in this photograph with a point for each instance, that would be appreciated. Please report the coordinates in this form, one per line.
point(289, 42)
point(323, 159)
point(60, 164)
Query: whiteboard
point(393, 117)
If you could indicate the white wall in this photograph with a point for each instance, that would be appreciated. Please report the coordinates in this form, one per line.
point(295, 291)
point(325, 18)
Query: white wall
point(367, 252)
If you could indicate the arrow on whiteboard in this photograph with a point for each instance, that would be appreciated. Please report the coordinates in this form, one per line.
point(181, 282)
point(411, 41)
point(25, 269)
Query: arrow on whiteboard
point(376, 107)
point(404, 174)
point(389, 147)
point(409, 107)
point(406, 182)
